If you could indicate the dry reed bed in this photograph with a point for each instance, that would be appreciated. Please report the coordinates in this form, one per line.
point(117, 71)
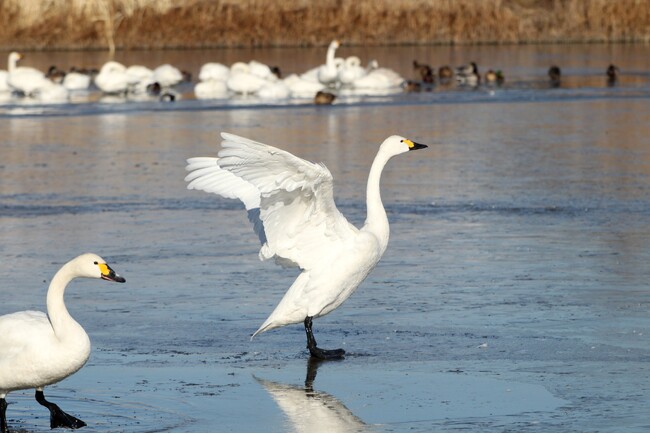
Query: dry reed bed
point(76, 24)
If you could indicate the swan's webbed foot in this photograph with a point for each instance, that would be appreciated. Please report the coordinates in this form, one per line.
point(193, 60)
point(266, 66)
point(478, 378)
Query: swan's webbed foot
point(322, 354)
point(58, 417)
point(319, 353)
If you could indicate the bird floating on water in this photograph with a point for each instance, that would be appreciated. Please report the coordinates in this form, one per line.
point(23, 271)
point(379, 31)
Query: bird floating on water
point(291, 203)
point(38, 349)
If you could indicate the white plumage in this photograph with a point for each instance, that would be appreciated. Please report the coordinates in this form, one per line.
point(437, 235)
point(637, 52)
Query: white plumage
point(38, 349)
point(301, 224)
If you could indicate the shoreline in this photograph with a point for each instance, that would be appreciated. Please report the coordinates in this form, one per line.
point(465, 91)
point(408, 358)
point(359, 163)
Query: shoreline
point(192, 24)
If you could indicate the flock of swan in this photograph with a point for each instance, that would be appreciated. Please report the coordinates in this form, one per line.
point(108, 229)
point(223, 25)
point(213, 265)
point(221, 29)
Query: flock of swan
point(322, 84)
point(215, 80)
point(291, 205)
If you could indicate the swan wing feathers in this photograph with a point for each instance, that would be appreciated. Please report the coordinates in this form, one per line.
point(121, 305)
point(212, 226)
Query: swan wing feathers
point(206, 175)
point(301, 221)
point(18, 329)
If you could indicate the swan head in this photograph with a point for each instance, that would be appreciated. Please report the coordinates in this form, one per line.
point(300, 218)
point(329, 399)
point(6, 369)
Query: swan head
point(395, 145)
point(335, 44)
point(93, 266)
point(14, 57)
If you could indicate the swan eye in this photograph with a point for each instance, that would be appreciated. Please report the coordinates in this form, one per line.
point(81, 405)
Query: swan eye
point(96, 263)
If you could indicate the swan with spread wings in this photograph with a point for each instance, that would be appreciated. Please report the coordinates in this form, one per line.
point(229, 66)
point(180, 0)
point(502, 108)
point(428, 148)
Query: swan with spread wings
point(291, 203)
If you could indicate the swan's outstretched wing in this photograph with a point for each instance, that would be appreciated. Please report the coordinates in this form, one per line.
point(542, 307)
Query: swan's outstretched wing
point(296, 201)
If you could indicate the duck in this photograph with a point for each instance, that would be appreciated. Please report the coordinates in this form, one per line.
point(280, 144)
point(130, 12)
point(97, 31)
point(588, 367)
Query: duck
point(324, 98)
point(423, 71)
point(468, 75)
point(24, 79)
point(612, 74)
point(554, 75)
point(445, 74)
point(55, 74)
point(291, 203)
point(40, 349)
point(493, 77)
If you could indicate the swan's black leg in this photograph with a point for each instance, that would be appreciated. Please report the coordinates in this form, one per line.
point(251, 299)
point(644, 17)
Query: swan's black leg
point(3, 415)
point(313, 348)
point(58, 418)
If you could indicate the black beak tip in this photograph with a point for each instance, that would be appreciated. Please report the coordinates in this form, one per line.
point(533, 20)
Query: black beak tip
point(114, 278)
point(418, 146)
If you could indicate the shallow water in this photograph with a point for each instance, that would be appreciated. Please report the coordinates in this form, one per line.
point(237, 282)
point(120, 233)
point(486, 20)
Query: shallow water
point(513, 295)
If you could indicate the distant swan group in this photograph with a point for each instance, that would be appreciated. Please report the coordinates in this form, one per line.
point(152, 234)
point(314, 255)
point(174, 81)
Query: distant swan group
point(254, 80)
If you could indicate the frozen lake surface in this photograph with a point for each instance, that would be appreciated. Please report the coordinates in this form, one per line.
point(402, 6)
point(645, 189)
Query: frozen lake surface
point(513, 296)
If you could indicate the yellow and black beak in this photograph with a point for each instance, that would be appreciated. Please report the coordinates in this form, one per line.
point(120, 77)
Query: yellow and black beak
point(110, 275)
point(413, 146)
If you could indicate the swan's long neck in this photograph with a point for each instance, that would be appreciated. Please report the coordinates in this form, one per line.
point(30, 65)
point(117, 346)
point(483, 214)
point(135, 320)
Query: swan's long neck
point(377, 221)
point(329, 59)
point(60, 319)
point(12, 63)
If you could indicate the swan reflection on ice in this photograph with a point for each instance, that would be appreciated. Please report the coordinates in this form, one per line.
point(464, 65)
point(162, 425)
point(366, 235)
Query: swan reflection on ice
point(309, 410)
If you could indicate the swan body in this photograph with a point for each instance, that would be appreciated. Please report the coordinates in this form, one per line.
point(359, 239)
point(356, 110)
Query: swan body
point(24, 78)
point(214, 71)
point(274, 90)
point(211, 89)
point(242, 81)
point(299, 224)
point(38, 349)
point(50, 92)
point(378, 79)
point(328, 72)
point(167, 75)
point(76, 81)
point(4, 85)
point(351, 70)
point(302, 88)
point(113, 78)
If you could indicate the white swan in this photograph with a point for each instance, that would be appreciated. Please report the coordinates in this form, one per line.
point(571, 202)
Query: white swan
point(274, 90)
point(24, 78)
point(113, 78)
point(302, 88)
point(38, 349)
point(214, 71)
point(328, 73)
point(351, 70)
point(50, 92)
point(167, 75)
point(299, 223)
point(4, 85)
point(211, 89)
point(378, 79)
point(76, 81)
point(242, 81)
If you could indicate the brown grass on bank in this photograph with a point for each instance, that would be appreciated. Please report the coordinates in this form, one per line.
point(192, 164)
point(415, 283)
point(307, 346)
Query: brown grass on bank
point(75, 24)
